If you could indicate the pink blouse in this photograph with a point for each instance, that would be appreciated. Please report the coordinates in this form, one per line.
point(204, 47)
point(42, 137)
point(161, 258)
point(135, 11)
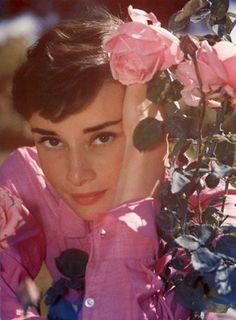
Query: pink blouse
point(121, 278)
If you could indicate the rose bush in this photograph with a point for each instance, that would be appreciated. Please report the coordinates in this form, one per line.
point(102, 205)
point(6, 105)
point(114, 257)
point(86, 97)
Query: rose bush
point(138, 49)
point(201, 247)
point(10, 216)
point(217, 68)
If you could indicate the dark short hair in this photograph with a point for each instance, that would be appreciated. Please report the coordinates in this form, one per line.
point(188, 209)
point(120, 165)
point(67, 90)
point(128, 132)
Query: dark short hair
point(66, 67)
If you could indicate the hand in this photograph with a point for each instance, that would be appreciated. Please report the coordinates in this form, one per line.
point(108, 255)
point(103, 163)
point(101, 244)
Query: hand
point(134, 99)
point(137, 107)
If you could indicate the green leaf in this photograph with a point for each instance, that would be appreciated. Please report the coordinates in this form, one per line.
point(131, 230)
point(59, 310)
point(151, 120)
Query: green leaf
point(200, 15)
point(228, 229)
point(176, 127)
point(188, 242)
point(196, 316)
point(168, 222)
point(175, 24)
point(216, 304)
point(158, 87)
point(178, 181)
point(203, 260)
point(181, 127)
point(147, 133)
point(212, 216)
point(232, 181)
point(225, 279)
point(212, 180)
point(230, 138)
point(191, 297)
point(226, 246)
point(226, 153)
point(179, 148)
point(219, 8)
point(229, 25)
point(54, 292)
point(172, 108)
point(222, 170)
point(191, 7)
point(178, 263)
point(77, 283)
point(204, 233)
point(174, 92)
point(72, 262)
point(175, 279)
point(223, 301)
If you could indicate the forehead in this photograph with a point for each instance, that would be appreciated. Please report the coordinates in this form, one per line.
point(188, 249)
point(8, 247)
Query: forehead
point(106, 106)
point(108, 100)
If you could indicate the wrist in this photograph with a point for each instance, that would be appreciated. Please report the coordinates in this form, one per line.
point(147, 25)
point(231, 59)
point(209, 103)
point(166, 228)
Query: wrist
point(141, 172)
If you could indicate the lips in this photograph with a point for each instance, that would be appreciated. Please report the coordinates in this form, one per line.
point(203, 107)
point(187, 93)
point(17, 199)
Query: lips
point(86, 199)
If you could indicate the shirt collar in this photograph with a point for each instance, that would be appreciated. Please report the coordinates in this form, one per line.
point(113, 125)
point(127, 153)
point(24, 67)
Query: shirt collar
point(70, 223)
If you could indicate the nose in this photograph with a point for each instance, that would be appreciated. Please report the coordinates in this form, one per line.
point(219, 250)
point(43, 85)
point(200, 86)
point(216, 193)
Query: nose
point(79, 168)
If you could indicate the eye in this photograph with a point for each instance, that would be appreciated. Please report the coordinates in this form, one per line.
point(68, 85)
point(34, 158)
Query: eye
point(50, 142)
point(104, 138)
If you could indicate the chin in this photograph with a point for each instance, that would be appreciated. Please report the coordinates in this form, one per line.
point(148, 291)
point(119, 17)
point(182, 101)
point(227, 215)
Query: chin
point(90, 213)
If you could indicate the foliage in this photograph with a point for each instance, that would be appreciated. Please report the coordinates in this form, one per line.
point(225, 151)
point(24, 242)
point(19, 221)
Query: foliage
point(72, 264)
point(202, 268)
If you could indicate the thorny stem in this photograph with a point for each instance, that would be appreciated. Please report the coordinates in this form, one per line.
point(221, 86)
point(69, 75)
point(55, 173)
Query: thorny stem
point(218, 130)
point(184, 209)
point(199, 207)
point(225, 194)
point(202, 105)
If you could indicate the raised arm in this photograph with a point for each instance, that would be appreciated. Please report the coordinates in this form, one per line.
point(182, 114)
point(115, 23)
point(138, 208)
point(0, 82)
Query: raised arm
point(141, 172)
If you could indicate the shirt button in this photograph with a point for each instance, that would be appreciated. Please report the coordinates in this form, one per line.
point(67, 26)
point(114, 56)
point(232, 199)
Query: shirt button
point(103, 232)
point(89, 302)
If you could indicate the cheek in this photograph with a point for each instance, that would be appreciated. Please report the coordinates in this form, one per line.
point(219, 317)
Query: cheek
point(52, 167)
point(114, 162)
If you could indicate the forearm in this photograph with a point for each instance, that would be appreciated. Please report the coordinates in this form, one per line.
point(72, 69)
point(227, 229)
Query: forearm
point(141, 172)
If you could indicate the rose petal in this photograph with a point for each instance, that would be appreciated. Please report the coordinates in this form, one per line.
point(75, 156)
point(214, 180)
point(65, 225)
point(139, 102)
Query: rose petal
point(141, 16)
point(138, 50)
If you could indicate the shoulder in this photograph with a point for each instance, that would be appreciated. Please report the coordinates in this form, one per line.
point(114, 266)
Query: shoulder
point(22, 154)
point(19, 161)
point(21, 172)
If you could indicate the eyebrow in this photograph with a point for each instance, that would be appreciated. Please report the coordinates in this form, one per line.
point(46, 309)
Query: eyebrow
point(86, 130)
point(101, 126)
point(43, 131)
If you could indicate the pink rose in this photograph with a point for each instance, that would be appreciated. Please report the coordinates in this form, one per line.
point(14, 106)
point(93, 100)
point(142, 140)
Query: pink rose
point(217, 67)
point(11, 216)
point(138, 49)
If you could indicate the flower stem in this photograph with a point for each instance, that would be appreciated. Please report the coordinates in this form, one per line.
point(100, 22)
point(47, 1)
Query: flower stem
point(225, 194)
point(202, 105)
point(218, 127)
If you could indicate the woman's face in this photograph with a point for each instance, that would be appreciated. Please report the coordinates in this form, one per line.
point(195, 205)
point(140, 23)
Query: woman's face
point(81, 155)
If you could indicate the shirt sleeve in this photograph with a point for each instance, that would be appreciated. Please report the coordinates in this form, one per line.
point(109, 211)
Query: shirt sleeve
point(121, 282)
point(22, 251)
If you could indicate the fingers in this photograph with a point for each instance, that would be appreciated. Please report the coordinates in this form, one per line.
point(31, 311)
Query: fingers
point(135, 98)
point(135, 94)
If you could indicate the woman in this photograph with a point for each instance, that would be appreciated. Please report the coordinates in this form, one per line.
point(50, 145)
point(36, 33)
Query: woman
point(84, 186)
